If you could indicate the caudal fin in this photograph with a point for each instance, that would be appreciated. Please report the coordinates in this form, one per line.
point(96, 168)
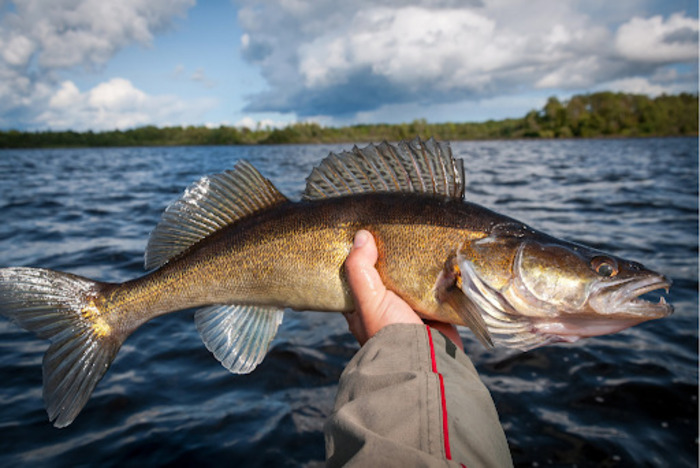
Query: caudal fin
point(67, 310)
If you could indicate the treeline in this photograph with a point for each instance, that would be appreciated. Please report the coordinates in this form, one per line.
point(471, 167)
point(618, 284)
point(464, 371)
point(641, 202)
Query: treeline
point(602, 114)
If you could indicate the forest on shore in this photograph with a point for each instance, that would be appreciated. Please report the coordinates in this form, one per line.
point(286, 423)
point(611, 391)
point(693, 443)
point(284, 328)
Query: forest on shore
point(603, 114)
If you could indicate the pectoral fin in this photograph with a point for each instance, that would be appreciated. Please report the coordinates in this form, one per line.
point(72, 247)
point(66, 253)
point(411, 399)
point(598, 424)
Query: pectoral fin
point(238, 336)
point(449, 292)
point(470, 313)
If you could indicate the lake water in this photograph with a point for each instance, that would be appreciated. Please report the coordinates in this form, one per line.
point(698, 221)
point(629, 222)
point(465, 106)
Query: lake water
point(628, 399)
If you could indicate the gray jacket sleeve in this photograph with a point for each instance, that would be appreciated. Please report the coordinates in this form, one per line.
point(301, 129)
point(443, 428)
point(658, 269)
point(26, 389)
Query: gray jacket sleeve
point(410, 397)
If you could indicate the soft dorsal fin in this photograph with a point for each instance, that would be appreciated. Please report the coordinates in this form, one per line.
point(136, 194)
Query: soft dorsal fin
point(410, 166)
point(207, 206)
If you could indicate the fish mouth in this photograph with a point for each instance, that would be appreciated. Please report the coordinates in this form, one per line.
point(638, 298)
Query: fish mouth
point(624, 299)
point(614, 307)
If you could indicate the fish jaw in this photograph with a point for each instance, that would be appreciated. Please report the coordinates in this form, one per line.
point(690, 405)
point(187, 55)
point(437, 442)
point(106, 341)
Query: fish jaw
point(614, 311)
point(623, 298)
point(571, 329)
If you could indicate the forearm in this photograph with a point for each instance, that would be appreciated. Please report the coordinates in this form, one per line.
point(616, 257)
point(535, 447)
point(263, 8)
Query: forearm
point(409, 396)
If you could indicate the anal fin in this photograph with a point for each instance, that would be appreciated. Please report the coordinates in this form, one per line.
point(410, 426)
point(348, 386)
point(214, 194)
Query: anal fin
point(238, 335)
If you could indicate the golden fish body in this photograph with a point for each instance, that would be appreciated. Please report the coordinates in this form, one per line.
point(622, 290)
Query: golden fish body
point(237, 249)
point(292, 256)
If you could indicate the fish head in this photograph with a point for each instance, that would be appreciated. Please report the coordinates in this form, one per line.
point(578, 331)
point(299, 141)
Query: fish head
point(534, 289)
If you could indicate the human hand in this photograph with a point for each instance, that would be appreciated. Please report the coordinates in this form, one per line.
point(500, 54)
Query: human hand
point(376, 306)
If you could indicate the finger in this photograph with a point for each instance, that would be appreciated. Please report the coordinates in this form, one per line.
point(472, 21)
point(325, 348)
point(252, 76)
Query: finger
point(375, 306)
point(364, 280)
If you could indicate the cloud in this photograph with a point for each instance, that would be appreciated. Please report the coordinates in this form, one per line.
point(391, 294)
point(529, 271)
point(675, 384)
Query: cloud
point(199, 76)
point(178, 70)
point(253, 124)
point(655, 40)
point(635, 85)
point(39, 39)
point(66, 33)
point(115, 104)
point(326, 58)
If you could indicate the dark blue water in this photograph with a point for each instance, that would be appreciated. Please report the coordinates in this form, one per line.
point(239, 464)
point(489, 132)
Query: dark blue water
point(628, 399)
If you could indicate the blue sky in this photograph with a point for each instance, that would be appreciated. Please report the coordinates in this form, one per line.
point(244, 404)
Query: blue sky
point(106, 64)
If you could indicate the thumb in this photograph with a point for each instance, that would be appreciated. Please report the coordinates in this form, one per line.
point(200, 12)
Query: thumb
point(364, 280)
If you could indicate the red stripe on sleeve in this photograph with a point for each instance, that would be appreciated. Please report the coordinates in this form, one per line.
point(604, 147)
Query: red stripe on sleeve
point(443, 401)
point(448, 453)
point(432, 349)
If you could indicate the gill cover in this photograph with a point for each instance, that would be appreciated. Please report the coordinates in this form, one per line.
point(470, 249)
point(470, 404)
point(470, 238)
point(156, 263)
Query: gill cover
point(551, 279)
point(486, 267)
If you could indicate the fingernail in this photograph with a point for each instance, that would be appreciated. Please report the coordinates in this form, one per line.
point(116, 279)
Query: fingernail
point(360, 239)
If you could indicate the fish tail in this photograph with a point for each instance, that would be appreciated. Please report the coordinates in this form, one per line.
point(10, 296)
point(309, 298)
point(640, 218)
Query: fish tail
point(67, 310)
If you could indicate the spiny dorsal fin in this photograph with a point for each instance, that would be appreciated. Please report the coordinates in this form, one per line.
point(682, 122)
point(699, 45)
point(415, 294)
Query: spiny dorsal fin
point(207, 206)
point(416, 166)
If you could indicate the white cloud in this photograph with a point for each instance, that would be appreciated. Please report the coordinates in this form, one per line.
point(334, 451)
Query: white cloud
point(66, 33)
point(116, 95)
point(115, 104)
point(212, 125)
point(345, 59)
point(636, 85)
point(197, 76)
point(41, 38)
point(253, 124)
point(18, 50)
point(247, 122)
point(66, 95)
point(410, 46)
point(580, 73)
point(655, 40)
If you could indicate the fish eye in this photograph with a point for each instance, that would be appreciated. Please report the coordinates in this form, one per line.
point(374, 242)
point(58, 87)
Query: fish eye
point(604, 266)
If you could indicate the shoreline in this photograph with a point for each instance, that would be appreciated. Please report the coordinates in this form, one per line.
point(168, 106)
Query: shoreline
point(591, 116)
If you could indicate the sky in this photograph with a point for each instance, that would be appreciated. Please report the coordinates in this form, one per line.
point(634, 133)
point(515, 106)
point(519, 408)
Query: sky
point(119, 64)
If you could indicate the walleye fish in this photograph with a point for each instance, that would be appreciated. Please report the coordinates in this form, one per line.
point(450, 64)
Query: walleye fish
point(240, 251)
